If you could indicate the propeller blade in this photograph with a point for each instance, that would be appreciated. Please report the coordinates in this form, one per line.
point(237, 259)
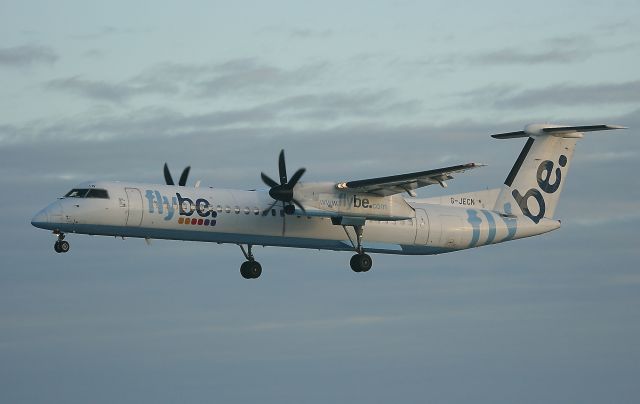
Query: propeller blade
point(266, 211)
point(284, 218)
point(298, 204)
point(167, 175)
point(282, 168)
point(295, 177)
point(267, 180)
point(183, 177)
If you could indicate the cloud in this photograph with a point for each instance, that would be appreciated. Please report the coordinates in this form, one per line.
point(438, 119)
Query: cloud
point(574, 94)
point(296, 32)
point(100, 33)
point(319, 110)
point(559, 50)
point(551, 51)
point(306, 33)
point(105, 91)
point(240, 77)
point(505, 95)
point(611, 156)
point(249, 75)
point(106, 31)
point(335, 104)
point(27, 55)
point(513, 56)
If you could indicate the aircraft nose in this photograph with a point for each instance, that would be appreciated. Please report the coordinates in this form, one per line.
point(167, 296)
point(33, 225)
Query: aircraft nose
point(49, 217)
point(41, 218)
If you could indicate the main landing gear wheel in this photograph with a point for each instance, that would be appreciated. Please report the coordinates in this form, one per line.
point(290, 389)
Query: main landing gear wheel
point(361, 263)
point(250, 269)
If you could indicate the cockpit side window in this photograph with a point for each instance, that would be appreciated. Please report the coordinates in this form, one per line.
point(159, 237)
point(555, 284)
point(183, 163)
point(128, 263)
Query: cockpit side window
point(98, 193)
point(77, 193)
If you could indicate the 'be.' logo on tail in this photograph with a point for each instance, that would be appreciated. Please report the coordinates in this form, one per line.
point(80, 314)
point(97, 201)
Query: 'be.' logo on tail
point(543, 177)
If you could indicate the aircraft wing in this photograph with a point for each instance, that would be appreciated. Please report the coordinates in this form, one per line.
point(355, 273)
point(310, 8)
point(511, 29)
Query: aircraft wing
point(395, 184)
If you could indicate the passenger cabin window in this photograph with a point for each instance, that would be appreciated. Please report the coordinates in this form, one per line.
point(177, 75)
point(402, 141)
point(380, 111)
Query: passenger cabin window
point(98, 193)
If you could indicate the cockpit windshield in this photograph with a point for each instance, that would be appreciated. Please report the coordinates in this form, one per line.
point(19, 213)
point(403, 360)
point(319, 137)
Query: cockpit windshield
point(77, 193)
point(87, 193)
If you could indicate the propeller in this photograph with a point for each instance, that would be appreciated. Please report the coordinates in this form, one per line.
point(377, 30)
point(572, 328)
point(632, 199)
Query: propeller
point(283, 191)
point(183, 178)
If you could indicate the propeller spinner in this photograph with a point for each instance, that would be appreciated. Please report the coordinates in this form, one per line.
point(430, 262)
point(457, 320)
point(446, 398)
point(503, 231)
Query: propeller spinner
point(283, 192)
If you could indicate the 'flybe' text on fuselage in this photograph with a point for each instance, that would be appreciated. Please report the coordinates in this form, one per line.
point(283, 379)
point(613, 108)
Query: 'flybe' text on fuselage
point(160, 204)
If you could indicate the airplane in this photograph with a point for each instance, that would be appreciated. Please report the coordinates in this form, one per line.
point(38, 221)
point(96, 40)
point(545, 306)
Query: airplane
point(365, 216)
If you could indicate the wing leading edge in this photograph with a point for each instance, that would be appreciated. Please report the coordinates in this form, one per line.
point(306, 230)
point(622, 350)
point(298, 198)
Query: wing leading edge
point(395, 184)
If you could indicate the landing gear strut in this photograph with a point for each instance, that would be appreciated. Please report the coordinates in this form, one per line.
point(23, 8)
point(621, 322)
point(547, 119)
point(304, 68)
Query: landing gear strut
point(61, 246)
point(250, 269)
point(360, 262)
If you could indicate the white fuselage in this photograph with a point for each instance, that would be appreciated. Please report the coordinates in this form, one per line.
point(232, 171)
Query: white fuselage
point(157, 211)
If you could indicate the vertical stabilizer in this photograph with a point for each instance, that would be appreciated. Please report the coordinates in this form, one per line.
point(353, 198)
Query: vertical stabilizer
point(535, 182)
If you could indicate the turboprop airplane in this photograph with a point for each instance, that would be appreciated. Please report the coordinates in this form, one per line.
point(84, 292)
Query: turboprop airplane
point(366, 216)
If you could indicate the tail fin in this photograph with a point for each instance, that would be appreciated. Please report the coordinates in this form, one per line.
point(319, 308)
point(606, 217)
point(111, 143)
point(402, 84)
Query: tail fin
point(533, 185)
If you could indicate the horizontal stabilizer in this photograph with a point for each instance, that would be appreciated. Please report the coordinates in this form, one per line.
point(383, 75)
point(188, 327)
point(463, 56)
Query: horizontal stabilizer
point(556, 130)
point(587, 128)
point(510, 135)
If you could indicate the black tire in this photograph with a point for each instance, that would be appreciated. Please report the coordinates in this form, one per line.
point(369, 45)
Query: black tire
point(244, 270)
point(56, 247)
point(355, 264)
point(63, 246)
point(361, 263)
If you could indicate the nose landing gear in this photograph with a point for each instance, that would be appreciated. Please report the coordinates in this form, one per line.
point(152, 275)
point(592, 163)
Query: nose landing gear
point(61, 246)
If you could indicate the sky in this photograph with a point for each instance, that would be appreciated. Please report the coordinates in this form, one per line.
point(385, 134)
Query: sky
point(351, 90)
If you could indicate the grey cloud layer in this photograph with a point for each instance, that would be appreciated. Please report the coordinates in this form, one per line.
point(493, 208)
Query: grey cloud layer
point(235, 77)
point(317, 109)
point(105, 91)
point(27, 55)
point(561, 94)
point(575, 94)
point(559, 50)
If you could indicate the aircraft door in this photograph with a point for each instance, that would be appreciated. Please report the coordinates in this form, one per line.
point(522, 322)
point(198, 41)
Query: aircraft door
point(135, 207)
point(422, 227)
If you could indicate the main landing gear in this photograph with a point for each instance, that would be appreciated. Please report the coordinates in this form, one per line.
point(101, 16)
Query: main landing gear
point(250, 269)
point(360, 262)
point(61, 246)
